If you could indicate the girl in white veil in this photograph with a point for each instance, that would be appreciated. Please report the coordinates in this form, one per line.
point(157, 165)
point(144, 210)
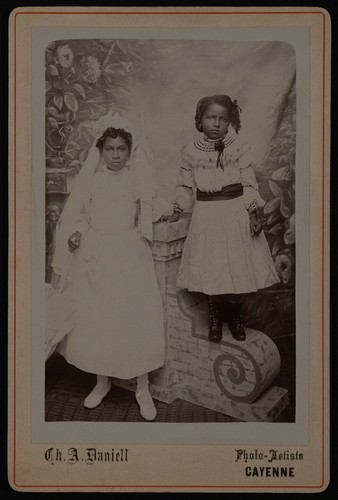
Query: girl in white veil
point(106, 317)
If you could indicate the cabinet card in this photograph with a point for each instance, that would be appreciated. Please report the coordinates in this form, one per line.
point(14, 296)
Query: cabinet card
point(235, 415)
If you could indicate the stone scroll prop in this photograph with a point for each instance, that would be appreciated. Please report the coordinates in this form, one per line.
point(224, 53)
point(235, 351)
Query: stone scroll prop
point(234, 378)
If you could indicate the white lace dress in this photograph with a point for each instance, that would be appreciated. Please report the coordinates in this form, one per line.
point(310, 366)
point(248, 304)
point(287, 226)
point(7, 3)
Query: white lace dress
point(220, 256)
point(111, 312)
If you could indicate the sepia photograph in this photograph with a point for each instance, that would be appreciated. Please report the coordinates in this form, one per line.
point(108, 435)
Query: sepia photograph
point(186, 283)
point(172, 236)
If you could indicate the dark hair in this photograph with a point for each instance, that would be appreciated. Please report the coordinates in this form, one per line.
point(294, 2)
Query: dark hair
point(222, 100)
point(114, 133)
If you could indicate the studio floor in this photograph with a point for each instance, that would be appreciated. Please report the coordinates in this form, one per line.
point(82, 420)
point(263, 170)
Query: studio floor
point(66, 387)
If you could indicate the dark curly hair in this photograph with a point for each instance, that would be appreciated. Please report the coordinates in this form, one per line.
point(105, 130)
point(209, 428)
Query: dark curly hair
point(222, 100)
point(114, 133)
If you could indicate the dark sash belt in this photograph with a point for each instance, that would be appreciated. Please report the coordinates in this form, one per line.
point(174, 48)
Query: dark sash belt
point(227, 193)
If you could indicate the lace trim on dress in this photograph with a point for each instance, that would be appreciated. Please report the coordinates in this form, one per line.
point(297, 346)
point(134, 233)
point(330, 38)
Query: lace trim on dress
point(234, 152)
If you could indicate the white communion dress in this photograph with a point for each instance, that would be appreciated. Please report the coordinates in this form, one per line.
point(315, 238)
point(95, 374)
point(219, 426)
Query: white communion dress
point(111, 308)
point(220, 255)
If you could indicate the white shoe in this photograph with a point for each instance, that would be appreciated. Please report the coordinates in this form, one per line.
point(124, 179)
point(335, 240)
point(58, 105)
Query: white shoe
point(96, 396)
point(146, 404)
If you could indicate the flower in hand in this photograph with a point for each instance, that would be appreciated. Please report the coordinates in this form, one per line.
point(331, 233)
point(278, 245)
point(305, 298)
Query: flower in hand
point(255, 226)
point(74, 241)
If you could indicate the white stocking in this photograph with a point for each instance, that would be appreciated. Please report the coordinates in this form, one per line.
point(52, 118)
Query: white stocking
point(102, 382)
point(143, 382)
point(144, 399)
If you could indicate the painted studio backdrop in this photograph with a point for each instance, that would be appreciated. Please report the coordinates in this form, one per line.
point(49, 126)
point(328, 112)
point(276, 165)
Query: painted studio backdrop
point(165, 79)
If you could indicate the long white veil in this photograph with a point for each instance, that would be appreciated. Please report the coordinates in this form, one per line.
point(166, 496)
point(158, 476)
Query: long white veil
point(141, 161)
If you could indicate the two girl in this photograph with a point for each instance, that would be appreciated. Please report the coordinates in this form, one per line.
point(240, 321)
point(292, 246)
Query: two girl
point(225, 254)
point(113, 320)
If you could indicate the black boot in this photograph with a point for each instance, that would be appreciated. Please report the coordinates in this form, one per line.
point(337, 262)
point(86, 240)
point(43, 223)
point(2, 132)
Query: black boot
point(215, 324)
point(236, 322)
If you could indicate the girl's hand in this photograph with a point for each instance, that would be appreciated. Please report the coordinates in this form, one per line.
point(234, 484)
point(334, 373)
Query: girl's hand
point(255, 226)
point(74, 241)
point(170, 218)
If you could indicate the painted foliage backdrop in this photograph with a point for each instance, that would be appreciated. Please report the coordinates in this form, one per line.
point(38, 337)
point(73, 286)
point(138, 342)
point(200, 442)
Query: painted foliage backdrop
point(166, 78)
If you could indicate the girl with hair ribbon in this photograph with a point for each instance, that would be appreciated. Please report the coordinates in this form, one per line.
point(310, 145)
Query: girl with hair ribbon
point(225, 254)
point(107, 317)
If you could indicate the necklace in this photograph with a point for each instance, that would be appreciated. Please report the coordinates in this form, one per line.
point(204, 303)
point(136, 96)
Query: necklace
point(212, 146)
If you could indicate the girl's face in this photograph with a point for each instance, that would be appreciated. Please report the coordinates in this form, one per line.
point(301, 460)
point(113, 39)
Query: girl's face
point(215, 121)
point(115, 153)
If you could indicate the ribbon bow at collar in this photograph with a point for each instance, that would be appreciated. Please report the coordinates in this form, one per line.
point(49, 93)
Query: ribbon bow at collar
point(219, 146)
